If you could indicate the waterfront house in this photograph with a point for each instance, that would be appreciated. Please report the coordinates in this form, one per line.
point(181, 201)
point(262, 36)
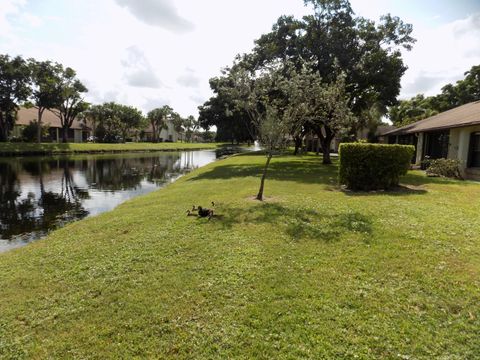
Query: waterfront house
point(78, 132)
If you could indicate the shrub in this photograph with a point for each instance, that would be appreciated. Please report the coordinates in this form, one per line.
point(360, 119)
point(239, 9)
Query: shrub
point(449, 168)
point(29, 132)
point(373, 166)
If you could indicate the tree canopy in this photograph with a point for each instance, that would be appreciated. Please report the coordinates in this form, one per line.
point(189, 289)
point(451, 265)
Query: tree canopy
point(14, 90)
point(452, 95)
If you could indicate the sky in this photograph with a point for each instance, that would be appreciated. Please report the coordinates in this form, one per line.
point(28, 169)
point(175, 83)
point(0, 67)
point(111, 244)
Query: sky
point(150, 53)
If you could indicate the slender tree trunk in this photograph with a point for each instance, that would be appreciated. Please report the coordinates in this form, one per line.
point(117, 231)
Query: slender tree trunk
point(3, 127)
point(264, 175)
point(39, 125)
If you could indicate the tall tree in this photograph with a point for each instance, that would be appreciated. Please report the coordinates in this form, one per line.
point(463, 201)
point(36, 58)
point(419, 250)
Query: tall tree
point(191, 125)
point(47, 93)
point(336, 42)
point(71, 102)
point(14, 89)
point(158, 120)
point(130, 119)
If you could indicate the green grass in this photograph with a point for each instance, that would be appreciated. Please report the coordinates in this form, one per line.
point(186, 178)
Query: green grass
point(14, 149)
point(313, 272)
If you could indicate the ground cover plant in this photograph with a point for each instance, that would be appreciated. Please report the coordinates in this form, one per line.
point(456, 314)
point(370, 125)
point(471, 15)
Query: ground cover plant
point(312, 272)
point(14, 149)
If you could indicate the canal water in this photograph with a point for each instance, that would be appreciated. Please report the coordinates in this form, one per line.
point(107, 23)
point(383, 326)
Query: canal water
point(40, 194)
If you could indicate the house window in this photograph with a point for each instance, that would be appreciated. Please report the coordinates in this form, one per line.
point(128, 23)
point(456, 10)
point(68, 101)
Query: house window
point(474, 153)
point(436, 144)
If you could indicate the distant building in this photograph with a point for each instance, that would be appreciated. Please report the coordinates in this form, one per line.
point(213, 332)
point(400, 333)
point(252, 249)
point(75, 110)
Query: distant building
point(78, 132)
point(169, 134)
point(453, 134)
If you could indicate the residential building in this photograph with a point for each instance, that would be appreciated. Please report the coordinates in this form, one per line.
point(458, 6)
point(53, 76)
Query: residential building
point(78, 132)
point(453, 134)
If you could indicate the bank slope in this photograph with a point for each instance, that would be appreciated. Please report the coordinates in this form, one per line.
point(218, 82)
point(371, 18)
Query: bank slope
point(313, 272)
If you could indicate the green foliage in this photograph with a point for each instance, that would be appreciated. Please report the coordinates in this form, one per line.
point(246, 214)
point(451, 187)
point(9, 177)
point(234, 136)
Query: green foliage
point(114, 122)
point(420, 107)
point(373, 166)
point(449, 168)
point(158, 120)
point(71, 103)
point(29, 132)
point(14, 89)
point(337, 41)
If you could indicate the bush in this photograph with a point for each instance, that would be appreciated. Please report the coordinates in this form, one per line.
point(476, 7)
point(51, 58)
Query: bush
point(29, 132)
point(373, 166)
point(449, 168)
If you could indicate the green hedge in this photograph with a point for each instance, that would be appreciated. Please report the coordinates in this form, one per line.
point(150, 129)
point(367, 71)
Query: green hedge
point(373, 166)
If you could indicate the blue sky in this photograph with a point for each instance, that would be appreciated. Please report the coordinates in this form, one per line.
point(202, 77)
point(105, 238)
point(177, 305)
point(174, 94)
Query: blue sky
point(154, 52)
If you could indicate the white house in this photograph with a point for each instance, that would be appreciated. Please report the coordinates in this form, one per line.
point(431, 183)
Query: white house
point(453, 134)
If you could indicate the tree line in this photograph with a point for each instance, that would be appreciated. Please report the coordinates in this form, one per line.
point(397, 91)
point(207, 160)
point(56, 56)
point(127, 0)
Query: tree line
point(47, 85)
point(330, 74)
point(452, 95)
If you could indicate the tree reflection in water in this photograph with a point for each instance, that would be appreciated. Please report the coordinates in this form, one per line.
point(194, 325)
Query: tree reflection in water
point(39, 194)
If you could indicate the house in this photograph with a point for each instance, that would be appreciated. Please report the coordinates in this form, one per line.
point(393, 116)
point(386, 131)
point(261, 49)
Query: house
point(169, 134)
point(453, 134)
point(78, 132)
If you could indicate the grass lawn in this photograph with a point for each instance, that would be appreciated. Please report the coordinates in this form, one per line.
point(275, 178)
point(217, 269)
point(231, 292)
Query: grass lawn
point(313, 272)
point(12, 149)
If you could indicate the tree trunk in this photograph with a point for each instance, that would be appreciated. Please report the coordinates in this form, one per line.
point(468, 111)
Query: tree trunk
point(39, 125)
point(65, 134)
point(298, 144)
point(3, 128)
point(326, 151)
point(264, 175)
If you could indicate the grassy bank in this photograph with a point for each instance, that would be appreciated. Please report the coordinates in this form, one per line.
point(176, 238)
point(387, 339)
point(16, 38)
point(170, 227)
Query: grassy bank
point(313, 272)
point(14, 149)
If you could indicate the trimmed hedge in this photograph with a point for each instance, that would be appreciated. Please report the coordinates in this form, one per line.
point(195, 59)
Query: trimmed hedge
point(373, 166)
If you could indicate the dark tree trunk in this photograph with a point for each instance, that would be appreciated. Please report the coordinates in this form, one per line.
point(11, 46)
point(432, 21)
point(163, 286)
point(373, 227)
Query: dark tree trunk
point(298, 144)
point(39, 125)
point(264, 175)
point(3, 128)
point(65, 134)
point(326, 151)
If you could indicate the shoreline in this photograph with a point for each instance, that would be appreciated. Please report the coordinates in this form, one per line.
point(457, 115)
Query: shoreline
point(45, 149)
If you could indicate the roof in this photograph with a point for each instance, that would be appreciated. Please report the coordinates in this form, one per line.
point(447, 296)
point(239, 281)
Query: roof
point(26, 115)
point(465, 115)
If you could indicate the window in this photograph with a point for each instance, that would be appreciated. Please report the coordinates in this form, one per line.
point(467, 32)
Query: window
point(436, 144)
point(474, 153)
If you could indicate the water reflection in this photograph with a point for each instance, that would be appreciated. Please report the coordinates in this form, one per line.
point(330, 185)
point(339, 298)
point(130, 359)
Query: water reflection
point(39, 194)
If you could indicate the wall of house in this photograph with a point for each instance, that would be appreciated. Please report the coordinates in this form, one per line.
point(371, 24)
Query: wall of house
point(77, 136)
point(169, 134)
point(459, 144)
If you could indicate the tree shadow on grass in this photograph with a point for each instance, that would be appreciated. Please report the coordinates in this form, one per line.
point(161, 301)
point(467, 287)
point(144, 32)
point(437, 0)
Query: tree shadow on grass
point(297, 223)
point(401, 190)
point(303, 170)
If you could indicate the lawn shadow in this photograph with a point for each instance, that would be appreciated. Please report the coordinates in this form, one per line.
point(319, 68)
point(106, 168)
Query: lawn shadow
point(400, 190)
point(296, 223)
point(299, 169)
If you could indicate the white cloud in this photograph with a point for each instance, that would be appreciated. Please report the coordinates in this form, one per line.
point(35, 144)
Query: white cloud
point(160, 13)
point(441, 55)
point(189, 79)
point(139, 72)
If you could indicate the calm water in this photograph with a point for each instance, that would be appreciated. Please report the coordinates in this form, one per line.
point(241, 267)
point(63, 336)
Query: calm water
point(39, 194)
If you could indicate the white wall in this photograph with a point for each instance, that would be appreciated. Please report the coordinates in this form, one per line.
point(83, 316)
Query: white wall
point(459, 144)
